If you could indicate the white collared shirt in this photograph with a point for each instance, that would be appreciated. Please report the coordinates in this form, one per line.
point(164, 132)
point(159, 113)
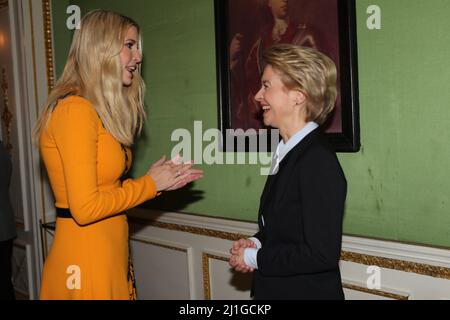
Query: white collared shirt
point(284, 148)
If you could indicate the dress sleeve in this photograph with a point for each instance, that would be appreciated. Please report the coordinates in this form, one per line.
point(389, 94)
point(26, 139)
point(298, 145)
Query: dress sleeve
point(74, 127)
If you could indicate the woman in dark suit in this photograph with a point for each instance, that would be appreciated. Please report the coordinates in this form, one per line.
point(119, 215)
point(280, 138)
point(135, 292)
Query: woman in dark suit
point(295, 254)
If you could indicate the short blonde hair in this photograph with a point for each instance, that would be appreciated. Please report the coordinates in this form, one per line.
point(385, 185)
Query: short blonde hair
point(93, 70)
point(309, 71)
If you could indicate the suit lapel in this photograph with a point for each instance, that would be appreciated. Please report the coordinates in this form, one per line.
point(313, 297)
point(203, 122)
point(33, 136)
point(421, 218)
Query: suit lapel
point(266, 192)
point(286, 164)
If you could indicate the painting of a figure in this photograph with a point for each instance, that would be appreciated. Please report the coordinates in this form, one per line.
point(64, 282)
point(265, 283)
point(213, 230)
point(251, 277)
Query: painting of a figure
point(255, 25)
point(305, 23)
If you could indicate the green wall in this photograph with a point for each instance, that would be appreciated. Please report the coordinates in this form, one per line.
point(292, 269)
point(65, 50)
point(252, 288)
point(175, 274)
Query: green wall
point(397, 184)
point(61, 35)
point(400, 181)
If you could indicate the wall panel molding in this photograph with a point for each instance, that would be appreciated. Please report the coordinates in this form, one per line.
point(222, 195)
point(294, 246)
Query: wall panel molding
point(169, 246)
point(206, 257)
point(381, 293)
point(407, 272)
point(431, 262)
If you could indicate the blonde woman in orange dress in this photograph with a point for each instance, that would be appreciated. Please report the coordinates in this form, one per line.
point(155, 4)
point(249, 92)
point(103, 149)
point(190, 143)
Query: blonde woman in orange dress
point(85, 133)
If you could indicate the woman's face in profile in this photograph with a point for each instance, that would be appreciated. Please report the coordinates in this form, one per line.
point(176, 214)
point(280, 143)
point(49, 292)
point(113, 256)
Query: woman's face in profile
point(276, 101)
point(130, 56)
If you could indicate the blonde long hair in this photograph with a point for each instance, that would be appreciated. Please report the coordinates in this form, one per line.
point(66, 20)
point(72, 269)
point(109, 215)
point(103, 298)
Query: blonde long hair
point(93, 70)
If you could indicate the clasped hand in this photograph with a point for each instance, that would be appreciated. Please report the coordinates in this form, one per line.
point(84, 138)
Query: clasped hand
point(237, 255)
point(173, 174)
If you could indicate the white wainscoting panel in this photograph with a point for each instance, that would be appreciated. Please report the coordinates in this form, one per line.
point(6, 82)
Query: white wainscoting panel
point(168, 264)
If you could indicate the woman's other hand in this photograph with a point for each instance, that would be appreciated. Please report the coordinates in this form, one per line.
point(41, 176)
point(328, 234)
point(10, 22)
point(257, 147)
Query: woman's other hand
point(241, 243)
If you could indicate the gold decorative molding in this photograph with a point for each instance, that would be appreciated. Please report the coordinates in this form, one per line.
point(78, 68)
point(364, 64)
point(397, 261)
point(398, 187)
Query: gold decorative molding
point(189, 229)
point(48, 36)
point(7, 116)
point(400, 265)
point(385, 294)
point(3, 4)
point(206, 275)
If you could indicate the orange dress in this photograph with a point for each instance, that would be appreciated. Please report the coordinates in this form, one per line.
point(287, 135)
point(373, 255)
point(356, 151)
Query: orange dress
point(88, 258)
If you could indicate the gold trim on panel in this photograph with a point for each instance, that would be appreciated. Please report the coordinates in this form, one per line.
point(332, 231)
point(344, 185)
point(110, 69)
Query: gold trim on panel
point(7, 116)
point(206, 282)
point(48, 36)
point(206, 274)
point(400, 265)
point(189, 229)
point(3, 4)
point(375, 292)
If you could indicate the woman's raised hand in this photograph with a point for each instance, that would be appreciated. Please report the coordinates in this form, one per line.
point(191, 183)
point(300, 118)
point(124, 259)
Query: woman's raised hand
point(173, 174)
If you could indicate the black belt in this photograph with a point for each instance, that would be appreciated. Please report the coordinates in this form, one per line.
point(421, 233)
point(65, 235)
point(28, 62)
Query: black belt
point(63, 213)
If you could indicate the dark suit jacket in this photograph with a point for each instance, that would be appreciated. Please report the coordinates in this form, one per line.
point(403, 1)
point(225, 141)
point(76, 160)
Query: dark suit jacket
point(302, 206)
point(7, 222)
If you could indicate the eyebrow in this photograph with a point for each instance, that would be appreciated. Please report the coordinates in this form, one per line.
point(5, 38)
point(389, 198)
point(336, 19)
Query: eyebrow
point(132, 40)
